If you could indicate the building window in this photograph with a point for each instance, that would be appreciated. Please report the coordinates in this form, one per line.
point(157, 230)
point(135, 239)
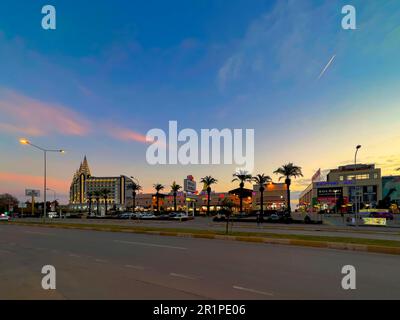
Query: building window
point(341, 178)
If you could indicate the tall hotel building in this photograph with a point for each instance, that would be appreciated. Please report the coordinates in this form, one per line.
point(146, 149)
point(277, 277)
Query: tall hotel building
point(84, 184)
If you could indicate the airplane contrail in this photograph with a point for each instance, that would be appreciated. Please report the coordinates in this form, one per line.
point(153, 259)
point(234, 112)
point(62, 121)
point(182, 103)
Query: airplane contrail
point(327, 66)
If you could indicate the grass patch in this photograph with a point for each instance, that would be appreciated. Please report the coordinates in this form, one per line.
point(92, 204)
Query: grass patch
point(211, 233)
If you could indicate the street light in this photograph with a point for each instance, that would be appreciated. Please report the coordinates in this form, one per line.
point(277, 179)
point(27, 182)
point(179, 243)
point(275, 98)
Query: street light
point(355, 184)
point(335, 191)
point(27, 142)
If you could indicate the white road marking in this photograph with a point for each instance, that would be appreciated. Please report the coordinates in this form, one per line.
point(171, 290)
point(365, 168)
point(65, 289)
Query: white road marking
point(134, 267)
point(150, 245)
point(39, 233)
point(253, 291)
point(74, 255)
point(100, 260)
point(179, 275)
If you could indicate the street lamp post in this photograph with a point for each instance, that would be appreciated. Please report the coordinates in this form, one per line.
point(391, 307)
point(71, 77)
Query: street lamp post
point(355, 184)
point(335, 191)
point(25, 141)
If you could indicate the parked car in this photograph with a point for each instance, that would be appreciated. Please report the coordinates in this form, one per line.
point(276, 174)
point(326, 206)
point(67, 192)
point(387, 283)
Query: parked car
point(273, 217)
point(126, 215)
point(181, 216)
point(4, 217)
point(147, 216)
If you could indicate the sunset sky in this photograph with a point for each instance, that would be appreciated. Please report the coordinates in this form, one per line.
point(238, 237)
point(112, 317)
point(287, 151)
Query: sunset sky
point(112, 70)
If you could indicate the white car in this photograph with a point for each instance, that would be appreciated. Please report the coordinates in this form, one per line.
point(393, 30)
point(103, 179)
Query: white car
point(147, 216)
point(181, 216)
point(4, 217)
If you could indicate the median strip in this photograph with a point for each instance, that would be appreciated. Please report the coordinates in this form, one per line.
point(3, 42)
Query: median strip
point(341, 243)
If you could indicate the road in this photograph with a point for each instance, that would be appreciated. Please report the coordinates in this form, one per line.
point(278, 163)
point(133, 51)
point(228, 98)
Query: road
point(110, 265)
point(382, 233)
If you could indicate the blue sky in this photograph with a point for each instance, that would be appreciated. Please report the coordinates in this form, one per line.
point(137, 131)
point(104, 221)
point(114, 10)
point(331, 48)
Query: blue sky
point(113, 70)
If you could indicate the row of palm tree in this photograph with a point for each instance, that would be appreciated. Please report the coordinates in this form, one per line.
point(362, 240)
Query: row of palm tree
point(287, 171)
point(98, 195)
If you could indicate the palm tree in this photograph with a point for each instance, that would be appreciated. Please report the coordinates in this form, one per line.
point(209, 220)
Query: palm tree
point(227, 206)
point(90, 195)
point(158, 187)
point(208, 181)
point(175, 188)
point(97, 196)
point(288, 171)
point(134, 187)
point(242, 176)
point(261, 180)
point(105, 193)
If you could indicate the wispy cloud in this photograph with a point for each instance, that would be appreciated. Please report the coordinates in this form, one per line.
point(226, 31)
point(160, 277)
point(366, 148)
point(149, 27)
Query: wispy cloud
point(10, 179)
point(125, 134)
point(25, 115)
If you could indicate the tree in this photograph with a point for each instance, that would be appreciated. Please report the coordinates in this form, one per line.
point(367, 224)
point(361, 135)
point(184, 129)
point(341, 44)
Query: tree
point(227, 205)
point(105, 193)
point(90, 198)
point(174, 189)
point(97, 196)
point(158, 187)
point(208, 181)
point(261, 180)
point(242, 176)
point(288, 171)
point(7, 201)
point(134, 187)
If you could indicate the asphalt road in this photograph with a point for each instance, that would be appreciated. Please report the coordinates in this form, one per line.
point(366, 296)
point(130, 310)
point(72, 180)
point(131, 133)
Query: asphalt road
point(382, 233)
point(108, 265)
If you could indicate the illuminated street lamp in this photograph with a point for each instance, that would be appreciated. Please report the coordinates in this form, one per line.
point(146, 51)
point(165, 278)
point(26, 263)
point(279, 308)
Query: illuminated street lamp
point(26, 141)
point(355, 184)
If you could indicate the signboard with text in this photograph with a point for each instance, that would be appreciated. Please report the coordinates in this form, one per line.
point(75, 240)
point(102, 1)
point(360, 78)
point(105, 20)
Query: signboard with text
point(375, 221)
point(32, 193)
point(189, 185)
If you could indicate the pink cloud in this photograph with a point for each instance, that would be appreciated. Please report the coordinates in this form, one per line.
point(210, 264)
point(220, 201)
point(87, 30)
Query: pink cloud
point(126, 134)
point(16, 181)
point(25, 115)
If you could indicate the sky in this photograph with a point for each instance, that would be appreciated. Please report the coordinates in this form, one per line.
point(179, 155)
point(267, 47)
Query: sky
point(113, 70)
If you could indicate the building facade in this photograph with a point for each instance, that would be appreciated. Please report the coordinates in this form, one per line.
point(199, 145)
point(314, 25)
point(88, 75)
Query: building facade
point(274, 196)
point(84, 188)
point(343, 186)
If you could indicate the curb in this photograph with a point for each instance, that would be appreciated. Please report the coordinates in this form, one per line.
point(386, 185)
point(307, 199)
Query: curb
point(282, 241)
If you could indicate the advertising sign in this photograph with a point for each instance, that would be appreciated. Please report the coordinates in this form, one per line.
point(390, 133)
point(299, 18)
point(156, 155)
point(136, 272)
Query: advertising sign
point(375, 221)
point(22, 205)
point(189, 185)
point(32, 193)
point(330, 192)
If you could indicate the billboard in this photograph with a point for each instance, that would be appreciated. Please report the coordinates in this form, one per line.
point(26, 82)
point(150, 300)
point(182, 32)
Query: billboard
point(189, 185)
point(391, 187)
point(32, 193)
point(330, 192)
